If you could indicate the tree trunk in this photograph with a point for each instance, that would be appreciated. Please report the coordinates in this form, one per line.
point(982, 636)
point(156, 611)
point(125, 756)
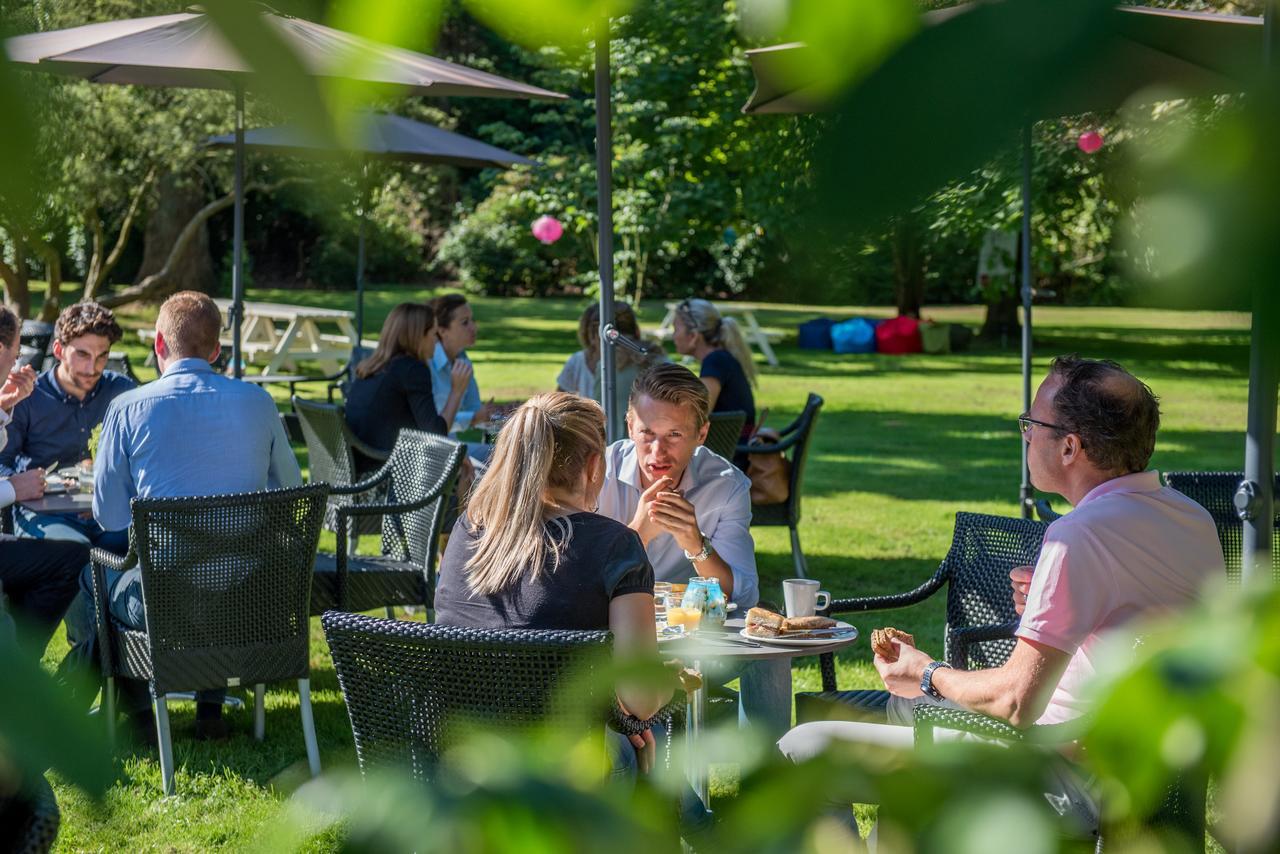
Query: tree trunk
point(17, 290)
point(1001, 322)
point(178, 202)
point(103, 263)
point(169, 278)
point(908, 266)
point(53, 272)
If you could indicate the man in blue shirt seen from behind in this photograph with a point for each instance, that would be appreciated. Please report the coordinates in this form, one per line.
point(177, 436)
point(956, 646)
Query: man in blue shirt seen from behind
point(51, 428)
point(192, 432)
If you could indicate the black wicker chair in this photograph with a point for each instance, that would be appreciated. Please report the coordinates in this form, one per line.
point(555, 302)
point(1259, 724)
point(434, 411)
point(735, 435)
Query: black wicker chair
point(980, 614)
point(226, 584)
point(1181, 811)
point(1215, 491)
point(118, 361)
point(725, 433)
point(795, 438)
point(411, 687)
point(34, 340)
point(1045, 511)
point(331, 456)
point(29, 817)
point(418, 481)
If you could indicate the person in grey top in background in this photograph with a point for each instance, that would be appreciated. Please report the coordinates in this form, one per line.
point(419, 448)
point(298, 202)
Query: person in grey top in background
point(192, 432)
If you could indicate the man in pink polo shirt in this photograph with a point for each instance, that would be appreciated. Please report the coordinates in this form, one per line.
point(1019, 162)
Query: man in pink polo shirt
point(1131, 549)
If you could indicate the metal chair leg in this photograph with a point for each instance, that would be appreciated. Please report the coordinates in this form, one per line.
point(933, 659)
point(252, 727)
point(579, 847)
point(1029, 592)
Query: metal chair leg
point(391, 612)
point(259, 711)
point(797, 555)
point(109, 705)
point(309, 726)
point(166, 743)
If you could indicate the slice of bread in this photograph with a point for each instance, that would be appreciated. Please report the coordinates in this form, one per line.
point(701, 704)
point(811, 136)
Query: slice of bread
point(764, 617)
point(807, 624)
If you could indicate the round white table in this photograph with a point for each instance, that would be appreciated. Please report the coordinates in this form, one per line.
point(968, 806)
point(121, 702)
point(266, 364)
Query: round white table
point(730, 645)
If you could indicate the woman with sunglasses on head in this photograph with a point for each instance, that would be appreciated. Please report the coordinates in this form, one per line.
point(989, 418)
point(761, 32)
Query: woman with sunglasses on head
point(393, 386)
point(728, 371)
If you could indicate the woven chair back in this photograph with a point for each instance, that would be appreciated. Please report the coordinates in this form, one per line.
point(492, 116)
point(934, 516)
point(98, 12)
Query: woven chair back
point(800, 453)
point(725, 432)
point(328, 452)
point(983, 551)
point(414, 689)
point(1215, 491)
point(226, 582)
point(421, 464)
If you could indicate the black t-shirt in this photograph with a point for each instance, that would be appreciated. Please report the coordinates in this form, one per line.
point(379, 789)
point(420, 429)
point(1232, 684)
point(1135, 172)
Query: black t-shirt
point(735, 393)
point(602, 559)
point(397, 396)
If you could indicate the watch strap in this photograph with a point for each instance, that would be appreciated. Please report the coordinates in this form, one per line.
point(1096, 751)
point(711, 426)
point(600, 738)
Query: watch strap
point(926, 681)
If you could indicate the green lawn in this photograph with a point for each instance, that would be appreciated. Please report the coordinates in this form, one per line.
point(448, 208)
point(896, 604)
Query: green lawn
point(902, 444)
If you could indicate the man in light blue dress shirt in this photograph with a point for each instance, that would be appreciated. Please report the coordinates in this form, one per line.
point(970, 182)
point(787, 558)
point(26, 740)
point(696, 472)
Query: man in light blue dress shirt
point(692, 510)
point(192, 432)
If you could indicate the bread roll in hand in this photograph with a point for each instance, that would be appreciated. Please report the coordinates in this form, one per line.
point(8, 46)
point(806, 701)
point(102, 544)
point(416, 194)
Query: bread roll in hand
point(881, 642)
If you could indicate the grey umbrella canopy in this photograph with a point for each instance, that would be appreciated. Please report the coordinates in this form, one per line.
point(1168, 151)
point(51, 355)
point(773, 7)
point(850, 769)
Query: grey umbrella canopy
point(380, 136)
point(188, 50)
point(1191, 53)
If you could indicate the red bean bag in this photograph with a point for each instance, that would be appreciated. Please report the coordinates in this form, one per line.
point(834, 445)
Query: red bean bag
point(899, 335)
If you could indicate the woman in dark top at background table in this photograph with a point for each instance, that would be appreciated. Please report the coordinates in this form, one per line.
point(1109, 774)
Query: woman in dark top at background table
point(530, 553)
point(392, 389)
point(728, 371)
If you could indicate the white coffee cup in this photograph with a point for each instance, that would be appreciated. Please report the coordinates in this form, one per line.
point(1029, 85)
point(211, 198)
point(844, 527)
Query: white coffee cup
point(801, 596)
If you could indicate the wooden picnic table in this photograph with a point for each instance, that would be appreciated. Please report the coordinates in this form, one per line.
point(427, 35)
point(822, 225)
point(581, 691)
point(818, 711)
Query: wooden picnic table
point(286, 334)
point(744, 311)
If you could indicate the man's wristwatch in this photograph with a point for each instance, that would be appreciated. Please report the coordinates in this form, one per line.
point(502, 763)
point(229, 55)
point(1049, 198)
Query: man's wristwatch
point(702, 555)
point(926, 681)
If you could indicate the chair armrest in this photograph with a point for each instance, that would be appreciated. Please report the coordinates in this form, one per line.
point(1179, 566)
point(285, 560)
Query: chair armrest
point(774, 448)
point(368, 450)
point(927, 718)
point(896, 600)
point(363, 486)
point(959, 640)
point(100, 560)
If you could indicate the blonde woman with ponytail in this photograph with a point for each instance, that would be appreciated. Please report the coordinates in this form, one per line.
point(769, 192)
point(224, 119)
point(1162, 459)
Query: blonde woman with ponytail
point(727, 371)
point(531, 553)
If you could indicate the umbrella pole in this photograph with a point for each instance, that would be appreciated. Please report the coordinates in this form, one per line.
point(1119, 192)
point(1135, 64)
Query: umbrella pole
point(364, 215)
point(604, 196)
point(1025, 493)
point(237, 275)
point(1255, 499)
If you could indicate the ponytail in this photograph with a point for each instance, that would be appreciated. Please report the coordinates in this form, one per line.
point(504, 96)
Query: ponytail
point(731, 339)
point(544, 445)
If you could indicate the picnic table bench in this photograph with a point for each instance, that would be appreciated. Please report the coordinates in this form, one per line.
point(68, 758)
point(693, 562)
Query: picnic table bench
point(286, 334)
point(745, 312)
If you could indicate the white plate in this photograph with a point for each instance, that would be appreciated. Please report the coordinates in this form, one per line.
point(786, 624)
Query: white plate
point(851, 634)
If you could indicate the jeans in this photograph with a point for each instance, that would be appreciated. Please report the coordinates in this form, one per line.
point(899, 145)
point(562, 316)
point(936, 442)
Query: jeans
point(124, 604)
point(624, 770)
point(764, 703)
point(40, 580)
point(68, 526)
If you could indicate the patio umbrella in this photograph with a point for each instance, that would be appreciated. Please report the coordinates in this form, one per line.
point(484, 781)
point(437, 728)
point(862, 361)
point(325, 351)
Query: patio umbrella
point(1194, 53)
point(379, 136)
point(188, 50)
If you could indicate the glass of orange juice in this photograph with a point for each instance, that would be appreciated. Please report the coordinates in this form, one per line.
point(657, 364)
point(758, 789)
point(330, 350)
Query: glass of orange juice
point(689, 618)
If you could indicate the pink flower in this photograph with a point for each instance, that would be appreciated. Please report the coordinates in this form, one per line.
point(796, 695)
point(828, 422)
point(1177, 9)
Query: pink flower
point(547, 229)
point(1089, 142)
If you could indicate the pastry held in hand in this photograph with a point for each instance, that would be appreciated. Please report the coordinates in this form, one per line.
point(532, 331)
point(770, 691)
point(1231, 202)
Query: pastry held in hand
point(881, 642)
point(763, 623)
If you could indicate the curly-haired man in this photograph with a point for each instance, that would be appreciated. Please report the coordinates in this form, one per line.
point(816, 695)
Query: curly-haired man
point(53, 425)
